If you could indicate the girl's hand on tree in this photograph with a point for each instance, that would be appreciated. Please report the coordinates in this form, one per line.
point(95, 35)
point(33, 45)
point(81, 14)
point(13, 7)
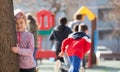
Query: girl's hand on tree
point(15, 49)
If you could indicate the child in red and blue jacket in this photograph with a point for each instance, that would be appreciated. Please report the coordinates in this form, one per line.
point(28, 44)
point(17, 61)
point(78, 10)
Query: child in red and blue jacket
point(76, 46)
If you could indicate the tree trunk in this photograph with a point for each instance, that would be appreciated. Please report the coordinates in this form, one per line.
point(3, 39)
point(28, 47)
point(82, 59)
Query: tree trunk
point(8, 60)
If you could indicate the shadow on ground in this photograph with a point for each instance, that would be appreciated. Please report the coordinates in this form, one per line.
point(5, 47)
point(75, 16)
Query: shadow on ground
point(104, 69)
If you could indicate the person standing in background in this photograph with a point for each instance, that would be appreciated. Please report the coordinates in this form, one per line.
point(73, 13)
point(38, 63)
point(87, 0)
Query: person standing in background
point(32, 27)
point(76, 21)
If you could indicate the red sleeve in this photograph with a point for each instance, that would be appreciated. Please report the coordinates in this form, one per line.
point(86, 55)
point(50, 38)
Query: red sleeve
point(65, 43)
point(87, 44)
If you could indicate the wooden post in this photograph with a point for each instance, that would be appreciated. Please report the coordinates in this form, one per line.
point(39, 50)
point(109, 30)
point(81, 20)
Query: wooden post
point(92, 56)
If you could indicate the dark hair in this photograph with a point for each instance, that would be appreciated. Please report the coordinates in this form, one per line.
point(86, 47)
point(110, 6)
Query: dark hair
point(83, 27)
point(32, 20)
point(78, 17)
point(63, 20)
point(76, 28)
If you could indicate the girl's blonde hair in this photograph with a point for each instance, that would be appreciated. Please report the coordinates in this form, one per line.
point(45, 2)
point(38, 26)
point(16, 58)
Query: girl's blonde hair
point(18, 13)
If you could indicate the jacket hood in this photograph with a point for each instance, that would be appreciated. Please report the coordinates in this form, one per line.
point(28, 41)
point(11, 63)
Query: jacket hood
point(61, 28)
point(78, 35)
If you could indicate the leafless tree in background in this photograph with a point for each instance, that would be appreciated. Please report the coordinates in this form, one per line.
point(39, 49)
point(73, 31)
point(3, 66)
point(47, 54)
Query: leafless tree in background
point(115, 16)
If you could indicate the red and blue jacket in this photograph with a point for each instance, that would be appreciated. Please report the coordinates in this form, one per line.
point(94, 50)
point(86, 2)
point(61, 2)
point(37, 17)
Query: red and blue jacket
point(76, 44)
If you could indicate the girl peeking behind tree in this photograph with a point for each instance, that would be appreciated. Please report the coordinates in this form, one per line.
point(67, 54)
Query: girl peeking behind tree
point(25, 45)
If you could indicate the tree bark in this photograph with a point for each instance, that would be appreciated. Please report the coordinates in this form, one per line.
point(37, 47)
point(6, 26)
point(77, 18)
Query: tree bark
point(8, 60)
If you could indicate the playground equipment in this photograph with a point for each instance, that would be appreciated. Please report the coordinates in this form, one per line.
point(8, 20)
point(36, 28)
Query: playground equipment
point(46, 23)
point(45, 27)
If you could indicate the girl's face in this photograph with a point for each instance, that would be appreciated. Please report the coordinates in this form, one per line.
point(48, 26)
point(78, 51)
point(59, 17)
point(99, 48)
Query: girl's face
point(20, 24)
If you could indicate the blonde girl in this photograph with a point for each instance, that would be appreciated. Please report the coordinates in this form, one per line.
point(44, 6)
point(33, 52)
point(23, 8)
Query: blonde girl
point(25, 45)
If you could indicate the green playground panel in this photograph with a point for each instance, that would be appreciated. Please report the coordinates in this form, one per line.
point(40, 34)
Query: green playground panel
point(44, 32)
